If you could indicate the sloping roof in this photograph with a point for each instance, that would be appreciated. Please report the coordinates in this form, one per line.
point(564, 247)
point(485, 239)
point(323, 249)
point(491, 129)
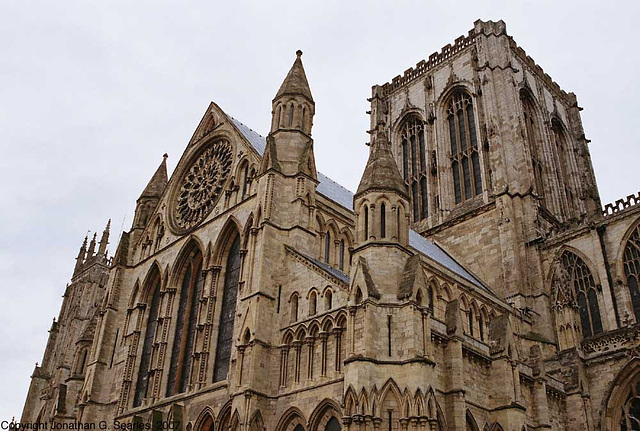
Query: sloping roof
point(322, 265)
point(295, 83)
point(342, 196)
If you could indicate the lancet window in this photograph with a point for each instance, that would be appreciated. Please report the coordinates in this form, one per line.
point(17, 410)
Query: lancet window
point(465, 159)
point(414, 165)
point(227, 312)
point(534, 142)
point(144, 371)
point(632, 269)
point(186, 321)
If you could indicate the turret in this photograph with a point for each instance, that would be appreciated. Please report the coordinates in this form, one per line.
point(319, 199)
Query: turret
point(151, 195)
point(289, 144)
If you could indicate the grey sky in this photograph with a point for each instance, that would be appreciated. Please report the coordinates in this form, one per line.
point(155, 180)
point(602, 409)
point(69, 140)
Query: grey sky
point(93, 93)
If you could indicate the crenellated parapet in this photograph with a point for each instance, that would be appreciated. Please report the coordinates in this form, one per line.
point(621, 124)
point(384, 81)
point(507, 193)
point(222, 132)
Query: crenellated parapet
point(621, 204)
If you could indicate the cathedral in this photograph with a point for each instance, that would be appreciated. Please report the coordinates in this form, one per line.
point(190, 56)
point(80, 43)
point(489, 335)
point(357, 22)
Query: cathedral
point(474, 281)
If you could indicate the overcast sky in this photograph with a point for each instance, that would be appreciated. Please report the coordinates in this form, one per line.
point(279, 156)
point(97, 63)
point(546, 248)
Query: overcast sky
point(92, 93)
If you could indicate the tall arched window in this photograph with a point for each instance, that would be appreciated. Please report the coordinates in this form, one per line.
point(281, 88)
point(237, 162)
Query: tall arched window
point(245, 180)
point(471, 321)
point(579, 278)
point(145, 360)
point(564, 168)
point(228, 312)
point(415, 165)
point(465, 160)
point(327, 246)
point(366, 223)
point(632, 269)
point(313, 304)
point(532, 136)
point(186, 322)
point(383, 221)
point(294, 307)
point(328, 300)
point(341, 257)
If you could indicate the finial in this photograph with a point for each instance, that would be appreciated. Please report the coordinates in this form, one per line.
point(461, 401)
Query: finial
point(299, 53)
point(165, 156)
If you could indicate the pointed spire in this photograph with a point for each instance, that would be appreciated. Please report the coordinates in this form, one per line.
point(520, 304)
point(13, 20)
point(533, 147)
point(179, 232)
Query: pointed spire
point(81, 255)
point(158, 181)
point(104, 241)
point(295, 84)
point(381, 172)
point(92, 246)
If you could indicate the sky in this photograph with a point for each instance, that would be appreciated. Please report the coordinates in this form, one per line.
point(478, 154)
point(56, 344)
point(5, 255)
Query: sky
point(93, 93)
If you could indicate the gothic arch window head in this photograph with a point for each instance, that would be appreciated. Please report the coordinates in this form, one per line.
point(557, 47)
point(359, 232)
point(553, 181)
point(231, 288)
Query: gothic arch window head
point(228, 311)
point(465, 158)
point(190, 293)
point(333, 425)
point(575, 286)
point(631, 264)
point(358, 296)
point(414, 165)
point(144, 369)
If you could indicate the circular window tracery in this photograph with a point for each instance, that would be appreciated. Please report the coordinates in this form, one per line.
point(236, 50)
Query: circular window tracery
point(201, 185)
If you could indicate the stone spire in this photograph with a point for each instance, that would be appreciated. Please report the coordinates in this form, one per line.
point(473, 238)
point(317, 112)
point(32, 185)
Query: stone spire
point(289, 147)
point(81, 255)
point(151, 195)
point(381, 172)
point(104, 241)
point(158, 181)
point(92, 246)
point(295, 84)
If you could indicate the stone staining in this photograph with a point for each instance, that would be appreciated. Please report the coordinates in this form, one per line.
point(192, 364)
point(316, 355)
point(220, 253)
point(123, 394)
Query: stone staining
point(201, 186)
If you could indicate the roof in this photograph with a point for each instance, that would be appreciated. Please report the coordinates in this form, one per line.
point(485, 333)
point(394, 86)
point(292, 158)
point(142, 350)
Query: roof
point(342, 196)
point(295, 83)
point(381, 172)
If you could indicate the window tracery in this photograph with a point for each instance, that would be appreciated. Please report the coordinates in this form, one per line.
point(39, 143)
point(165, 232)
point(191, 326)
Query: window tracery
point(144, 371)
point(465, 159)
point(575, 287)
point(186, 322)
point(532, 136)
point(632, 269)
point(415, 165)
point(227, 313)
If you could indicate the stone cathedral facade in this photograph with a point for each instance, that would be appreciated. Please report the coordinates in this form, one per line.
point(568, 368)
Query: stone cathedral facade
point(474, 281)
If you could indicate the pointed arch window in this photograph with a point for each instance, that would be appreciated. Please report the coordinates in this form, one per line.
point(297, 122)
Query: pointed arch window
point(294, 308)
point(534, 142)
point(333, 425)
point(186, 322)
point(564, 168)
point(327, 246)
point(228, 312)
point(465, 159)
point(341, 260)
point(383, 221)
point(313, 304)
point(144, 372)
point(631, 264)
point(245, 180)
point(580, 279)
point(415, 165)
point(328, 300)
point(471, 321)
point(366, 223)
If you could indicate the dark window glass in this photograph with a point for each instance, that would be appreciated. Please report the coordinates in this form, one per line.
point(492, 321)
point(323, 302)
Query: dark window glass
point(632, 269)
point(227, 314)
point(383, 221)
point(152, 322)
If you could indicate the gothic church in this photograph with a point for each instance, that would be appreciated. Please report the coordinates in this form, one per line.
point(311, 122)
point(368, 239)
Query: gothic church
point(473, 282)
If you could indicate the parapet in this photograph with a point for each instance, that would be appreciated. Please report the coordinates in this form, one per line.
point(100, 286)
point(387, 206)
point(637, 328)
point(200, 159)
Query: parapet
point(620, 205)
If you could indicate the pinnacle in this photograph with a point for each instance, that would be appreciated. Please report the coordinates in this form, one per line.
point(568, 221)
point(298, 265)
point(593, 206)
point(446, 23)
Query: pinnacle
point(381, 172)
point(295, 83)
point(158, 181)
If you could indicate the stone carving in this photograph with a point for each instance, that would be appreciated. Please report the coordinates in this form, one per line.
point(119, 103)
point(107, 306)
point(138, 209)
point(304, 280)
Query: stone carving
point(201, 185)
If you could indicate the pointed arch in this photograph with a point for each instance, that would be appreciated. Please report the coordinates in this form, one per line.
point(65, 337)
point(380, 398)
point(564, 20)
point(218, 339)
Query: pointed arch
point(629, 265)
point(391, 405)
point(151, 295)
point(471, 424)
point(227, 255)
point(350, 402)
point(188, 277)
point(323, 413)
point(256, 423)
point(234, 424)
point(292, 419)
point(224, 417)
point(623, 398)
point(205, 420)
